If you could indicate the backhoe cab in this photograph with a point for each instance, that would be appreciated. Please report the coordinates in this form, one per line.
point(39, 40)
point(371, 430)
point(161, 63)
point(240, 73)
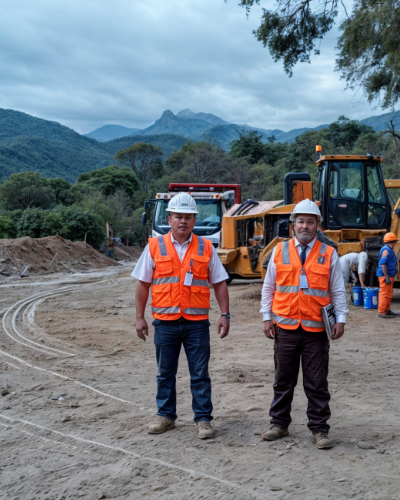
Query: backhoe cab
point(352, 198)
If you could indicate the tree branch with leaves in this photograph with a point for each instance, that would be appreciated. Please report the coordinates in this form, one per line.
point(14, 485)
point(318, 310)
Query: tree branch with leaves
point(368, 48)
point(140, 157)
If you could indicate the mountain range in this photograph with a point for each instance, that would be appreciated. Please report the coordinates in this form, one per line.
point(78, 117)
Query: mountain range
point(30, 143)
point(209, 127)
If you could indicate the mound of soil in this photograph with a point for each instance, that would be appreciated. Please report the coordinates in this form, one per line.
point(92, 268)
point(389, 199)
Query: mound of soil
point(50, 254)
point(122, 252)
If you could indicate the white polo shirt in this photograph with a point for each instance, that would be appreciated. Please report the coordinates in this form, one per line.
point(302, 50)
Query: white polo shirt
point(145, 267)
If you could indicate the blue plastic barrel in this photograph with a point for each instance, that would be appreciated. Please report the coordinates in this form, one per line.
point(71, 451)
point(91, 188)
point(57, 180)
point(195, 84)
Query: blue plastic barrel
point(357, 296)
point(370, 298)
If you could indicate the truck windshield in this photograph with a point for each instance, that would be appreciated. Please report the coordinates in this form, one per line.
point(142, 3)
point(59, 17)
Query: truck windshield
point(208, 220)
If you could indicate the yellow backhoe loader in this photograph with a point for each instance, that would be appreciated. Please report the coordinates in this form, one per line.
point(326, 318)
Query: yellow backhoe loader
point(355, 202)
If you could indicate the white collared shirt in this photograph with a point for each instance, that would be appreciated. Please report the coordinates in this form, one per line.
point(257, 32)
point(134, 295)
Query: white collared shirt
point(360, 260)
point(145, 267)
point(337, 291)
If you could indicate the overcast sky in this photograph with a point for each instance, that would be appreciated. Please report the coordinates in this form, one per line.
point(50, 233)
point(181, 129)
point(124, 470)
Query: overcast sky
point(95, 62)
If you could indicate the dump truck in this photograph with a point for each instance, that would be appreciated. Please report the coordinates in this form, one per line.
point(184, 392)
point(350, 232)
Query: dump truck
point(213, 200)
point(353, 199)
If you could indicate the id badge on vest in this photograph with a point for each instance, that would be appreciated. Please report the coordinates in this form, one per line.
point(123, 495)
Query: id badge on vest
point(303, 279)
point(188, 278)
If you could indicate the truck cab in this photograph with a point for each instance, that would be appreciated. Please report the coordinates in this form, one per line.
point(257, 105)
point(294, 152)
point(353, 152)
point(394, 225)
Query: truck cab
point(352, 193)
point(213, 200)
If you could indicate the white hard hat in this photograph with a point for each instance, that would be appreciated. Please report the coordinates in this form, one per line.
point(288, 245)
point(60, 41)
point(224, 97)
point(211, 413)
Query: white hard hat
point(306, 207)
point(182, 203)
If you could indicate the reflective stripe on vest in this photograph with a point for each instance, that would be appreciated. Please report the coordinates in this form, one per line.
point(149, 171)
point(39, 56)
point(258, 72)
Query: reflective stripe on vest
point(161, 281)
point(285, 321)
point(306, 291)
point(161, 244)
point(312, 324)
point(166, 310)
point(195, 310)
point(315, 292)
point(199, 282)
point(285, 252)
point(200, 247)
point(288, 289)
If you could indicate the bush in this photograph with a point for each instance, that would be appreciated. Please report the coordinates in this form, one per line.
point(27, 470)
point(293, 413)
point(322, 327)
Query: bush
point(31, 221)
point(8, 228)
point(72, 223)
point(77, 223)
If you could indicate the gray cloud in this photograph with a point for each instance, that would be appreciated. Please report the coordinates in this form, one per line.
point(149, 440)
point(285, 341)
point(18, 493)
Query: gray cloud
point(86, 64)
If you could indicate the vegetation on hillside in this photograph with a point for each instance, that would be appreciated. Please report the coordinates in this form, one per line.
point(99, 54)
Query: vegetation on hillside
point(31, 204)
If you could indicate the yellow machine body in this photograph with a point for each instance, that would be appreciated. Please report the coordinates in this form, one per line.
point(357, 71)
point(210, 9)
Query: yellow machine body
point(249, 233)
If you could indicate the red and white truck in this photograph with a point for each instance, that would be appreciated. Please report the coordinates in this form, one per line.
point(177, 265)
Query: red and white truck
point(212, 200)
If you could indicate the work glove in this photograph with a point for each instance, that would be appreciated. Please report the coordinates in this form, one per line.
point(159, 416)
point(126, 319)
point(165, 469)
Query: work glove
point(387, 281)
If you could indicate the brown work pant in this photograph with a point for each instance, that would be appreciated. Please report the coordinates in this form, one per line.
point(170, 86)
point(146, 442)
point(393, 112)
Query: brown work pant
point(385, 295)
point(312, 349)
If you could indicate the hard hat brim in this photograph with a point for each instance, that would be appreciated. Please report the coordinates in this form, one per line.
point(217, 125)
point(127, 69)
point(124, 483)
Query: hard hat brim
point(182, 211)
point(294, 215)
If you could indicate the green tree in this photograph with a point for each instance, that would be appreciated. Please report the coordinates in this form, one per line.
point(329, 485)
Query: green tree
point(63, 192)
point(26, 190)
point(249, 146)
point(30, 224)
point(78, 223)
point(205, 161)
point(344, 132)
point(369, 52)
point(38, 223)
point(110, 179)
point(140, 157)
point(8, 228)
point(120, 204)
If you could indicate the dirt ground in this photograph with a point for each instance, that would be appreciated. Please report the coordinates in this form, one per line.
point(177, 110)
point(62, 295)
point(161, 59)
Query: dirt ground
point(79, 391)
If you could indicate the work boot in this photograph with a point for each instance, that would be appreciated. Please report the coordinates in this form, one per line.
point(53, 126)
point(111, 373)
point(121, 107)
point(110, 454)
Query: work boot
point(205, 429)
point(389, 314)
point(322, 441)
point(275, 432)
point(161, 424)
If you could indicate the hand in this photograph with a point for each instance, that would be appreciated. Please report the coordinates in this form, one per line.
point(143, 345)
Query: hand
point(269, 329)
point(388, 281)
point(338, 331)
point(223, 324)
point(142, 329)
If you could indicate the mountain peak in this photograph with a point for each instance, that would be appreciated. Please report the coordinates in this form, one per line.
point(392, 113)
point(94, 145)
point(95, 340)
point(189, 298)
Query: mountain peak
point(186, 113)
point(168, 114)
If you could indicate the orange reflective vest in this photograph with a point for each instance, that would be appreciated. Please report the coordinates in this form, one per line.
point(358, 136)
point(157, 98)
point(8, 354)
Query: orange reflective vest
point(292, 304)
point(171, 299)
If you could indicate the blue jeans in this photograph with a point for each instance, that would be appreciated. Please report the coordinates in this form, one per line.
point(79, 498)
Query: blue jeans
point(195, 337)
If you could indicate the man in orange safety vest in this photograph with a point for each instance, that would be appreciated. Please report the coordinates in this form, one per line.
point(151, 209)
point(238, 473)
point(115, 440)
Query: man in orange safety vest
point(178, 266)
point(303, 276)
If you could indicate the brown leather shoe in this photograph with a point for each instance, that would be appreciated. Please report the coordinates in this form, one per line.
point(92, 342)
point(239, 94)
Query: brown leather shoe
point(205, 429)
point(161, 424)
point(322, 441)
point(275, 432)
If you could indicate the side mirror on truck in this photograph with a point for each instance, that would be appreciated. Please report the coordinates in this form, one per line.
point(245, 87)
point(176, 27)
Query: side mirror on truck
point(144, 218)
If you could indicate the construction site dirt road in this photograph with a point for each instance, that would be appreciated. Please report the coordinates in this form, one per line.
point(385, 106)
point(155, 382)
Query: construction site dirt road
point(78, 390)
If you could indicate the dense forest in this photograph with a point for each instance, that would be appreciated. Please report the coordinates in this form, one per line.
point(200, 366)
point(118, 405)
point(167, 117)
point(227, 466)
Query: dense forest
point(36, 205)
